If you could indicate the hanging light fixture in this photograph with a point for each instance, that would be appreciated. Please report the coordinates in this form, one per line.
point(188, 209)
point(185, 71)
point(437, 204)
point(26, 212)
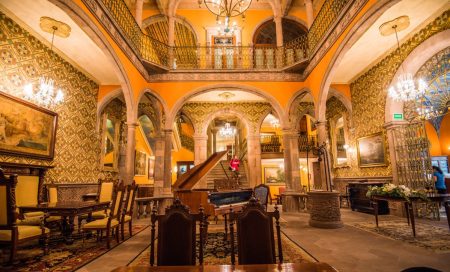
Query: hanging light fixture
point(47, 95)
point(406, 88)
point(227, 131)
point(227, 9)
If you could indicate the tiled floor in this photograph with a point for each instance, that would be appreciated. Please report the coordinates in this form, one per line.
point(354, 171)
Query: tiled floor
point(348, 249)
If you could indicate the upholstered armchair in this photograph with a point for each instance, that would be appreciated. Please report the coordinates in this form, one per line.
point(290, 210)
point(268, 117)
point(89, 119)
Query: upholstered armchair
point(11, 233)
point(110, 223)
point(127, 214)
point(262, 193)
point(106, 189)
point(27, 194)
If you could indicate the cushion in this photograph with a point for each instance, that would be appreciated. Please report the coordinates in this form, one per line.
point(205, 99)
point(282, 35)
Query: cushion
point(97, 214)
point(100, 224)
point(27, 190)
point(36, 220)
point(126, 218)
point(33, 214)
point(24, 232)
point(106, 192)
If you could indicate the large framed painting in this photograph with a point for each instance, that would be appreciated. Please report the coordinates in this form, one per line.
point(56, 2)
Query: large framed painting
point(273, 175)
point(140, 163)
point(26, 129)
point(371, 150)
point(151, 167)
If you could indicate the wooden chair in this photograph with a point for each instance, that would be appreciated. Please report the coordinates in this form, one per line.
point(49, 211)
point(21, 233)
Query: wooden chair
point(262, 193)
point(279, 196)
point(11, 233)
point(110, 223)
point(27, 194)
point(177, 235)
point(105, 193)
point(255, 235)
point(127, 214)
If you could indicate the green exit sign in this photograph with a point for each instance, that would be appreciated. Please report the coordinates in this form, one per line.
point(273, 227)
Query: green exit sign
point(398, 116)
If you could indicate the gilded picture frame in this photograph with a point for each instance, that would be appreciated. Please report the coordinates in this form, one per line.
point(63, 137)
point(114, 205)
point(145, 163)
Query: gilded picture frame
point(273, 175)
point(140, 163)
point(25, 129)
point(371, 150)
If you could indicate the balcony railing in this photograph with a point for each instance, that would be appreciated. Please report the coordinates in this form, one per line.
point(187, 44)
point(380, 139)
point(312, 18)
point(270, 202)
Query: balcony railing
point(271, 144)
point(228, 57)
point(306, 143)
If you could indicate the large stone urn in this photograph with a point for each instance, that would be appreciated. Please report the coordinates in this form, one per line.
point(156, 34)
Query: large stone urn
point(324, 212)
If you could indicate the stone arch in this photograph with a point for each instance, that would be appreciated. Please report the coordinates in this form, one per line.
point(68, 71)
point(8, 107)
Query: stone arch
point(352, 37)
point(341, 97)
point(161, 101)
point(270, 19)
point(180, 19)
point(294, 117)
point(101, 105)
point(412, 64)
point(263, 117)
point(213, 115)
point(192, 93)
point(94, 33)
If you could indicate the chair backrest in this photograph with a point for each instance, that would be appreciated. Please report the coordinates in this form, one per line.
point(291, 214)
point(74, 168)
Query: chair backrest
point(255, 235)
point(52, 193)
point(7, 200)
point(117, 202)
point(106, 189)
point(131, 195)
point(27, 190)
point(262, 194)
point(177, 236)
point(281, 190)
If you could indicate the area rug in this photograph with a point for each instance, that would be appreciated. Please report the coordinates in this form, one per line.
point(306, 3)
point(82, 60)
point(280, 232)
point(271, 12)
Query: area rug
point(430, 237)
point(217, 251)
point(61, 257)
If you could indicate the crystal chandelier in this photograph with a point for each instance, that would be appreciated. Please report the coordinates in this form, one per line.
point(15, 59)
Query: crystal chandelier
point(47, 95)
point(225, 29)
point(227, 131)
point(227, 9)
point(406, 88)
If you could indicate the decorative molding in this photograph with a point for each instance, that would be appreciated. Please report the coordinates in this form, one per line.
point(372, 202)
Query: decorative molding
point(226, 76)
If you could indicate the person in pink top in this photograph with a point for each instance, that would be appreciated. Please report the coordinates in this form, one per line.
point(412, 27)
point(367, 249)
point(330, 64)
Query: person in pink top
point(234, 165)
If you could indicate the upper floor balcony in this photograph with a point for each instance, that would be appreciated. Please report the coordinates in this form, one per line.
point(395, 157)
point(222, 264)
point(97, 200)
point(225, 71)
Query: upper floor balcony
point(159, 57)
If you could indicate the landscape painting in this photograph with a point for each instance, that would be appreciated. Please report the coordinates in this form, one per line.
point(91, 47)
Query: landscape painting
point(140, 163)
point(273, 175)
point(371, 151)
point(26, 129)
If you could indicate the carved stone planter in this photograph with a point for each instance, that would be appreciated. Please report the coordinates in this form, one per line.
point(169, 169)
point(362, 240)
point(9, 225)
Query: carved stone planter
point(325, 212)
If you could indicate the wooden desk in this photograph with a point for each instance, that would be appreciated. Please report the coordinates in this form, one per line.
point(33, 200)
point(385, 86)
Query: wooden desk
point(301, 267)
point(68, 210)
point(409, 206)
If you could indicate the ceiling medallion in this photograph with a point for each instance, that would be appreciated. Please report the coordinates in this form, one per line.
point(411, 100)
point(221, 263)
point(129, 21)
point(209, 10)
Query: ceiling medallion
point(226, 95)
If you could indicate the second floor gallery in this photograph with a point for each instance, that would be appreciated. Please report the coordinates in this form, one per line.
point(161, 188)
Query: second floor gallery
point(330, 117)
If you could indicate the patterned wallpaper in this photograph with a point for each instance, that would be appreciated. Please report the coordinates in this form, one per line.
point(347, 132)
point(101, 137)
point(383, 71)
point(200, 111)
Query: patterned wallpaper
point(23, 58)
point(369, 93)
point(254, 112)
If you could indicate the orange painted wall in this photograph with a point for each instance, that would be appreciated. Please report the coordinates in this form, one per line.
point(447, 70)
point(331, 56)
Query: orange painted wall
point(105, 89)
point(343, 88)
point(181, 155)
point(445, 136)
point(435, 149)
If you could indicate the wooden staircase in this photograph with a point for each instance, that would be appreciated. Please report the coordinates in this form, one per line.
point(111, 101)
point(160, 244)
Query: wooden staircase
point(224, 173)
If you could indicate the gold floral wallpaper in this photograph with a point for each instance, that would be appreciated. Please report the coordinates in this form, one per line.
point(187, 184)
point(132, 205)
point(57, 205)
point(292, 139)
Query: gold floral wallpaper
point(369, 94)
point(23, 58)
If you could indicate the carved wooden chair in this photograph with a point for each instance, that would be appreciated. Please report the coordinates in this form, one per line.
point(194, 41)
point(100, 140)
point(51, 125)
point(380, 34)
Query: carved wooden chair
point(110, 223)
point(11, 233)
point(177, 235)
point(127, 214)
point(262, 193)
point(105, 193)
point(255, 235)
point(27, 194)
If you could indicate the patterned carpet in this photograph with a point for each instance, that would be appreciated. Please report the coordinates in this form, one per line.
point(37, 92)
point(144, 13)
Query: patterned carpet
point(61, 257)
point(217, 251)
point(427, 236)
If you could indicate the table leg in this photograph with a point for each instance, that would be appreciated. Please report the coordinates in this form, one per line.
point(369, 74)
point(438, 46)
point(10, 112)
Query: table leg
point(447, 212)
point(148, 208)
point(139, 209)
point(375, 210)
point(411, 217)
point(226, 228)
point(70, 226)
point(407, 212)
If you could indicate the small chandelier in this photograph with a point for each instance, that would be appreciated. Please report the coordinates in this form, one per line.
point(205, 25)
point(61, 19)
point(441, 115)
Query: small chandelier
point(227, 9)
point(47, 95)
point(406, 88)
point(227, 131)
point(225, 29)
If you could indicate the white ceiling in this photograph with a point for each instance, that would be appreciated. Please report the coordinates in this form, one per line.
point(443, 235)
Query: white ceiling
point(371, 47)
point(239, 96)
point(78, 48)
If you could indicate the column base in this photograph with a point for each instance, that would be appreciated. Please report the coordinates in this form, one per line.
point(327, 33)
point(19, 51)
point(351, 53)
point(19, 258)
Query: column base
point(325, 212)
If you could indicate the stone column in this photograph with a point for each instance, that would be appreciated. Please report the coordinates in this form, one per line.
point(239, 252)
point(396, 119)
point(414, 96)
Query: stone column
point(130, 152)
point(138, 15)
point(309, 12)
point(214, 140)
point(171, 40)
point(322, 138)
point(279, 34)
point(167, 185)
point(200, 154)
point(291, 200)
point(254, 159)
point(159, 165)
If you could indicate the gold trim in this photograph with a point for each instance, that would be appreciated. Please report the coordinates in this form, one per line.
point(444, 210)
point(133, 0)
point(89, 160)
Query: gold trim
point(384, 150)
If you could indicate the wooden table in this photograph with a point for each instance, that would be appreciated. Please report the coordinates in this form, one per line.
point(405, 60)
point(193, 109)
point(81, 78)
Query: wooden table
point(301, 267)
point(90, 197)
point(148, 202)
point(67, 210)
point(409, 206)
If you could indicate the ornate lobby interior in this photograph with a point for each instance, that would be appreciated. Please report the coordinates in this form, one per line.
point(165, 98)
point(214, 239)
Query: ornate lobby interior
point(224, 135)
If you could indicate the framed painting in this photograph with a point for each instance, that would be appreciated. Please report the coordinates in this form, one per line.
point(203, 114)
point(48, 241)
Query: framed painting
point(26, 129)
point(140, 162)
point(273, 175)
point(371, 150)
point(151, 167)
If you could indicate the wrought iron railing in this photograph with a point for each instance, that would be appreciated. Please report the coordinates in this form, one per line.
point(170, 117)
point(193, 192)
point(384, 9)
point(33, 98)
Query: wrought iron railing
point(271, 144)
point(307, 143)
point(330, 11)
point(223, 57)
